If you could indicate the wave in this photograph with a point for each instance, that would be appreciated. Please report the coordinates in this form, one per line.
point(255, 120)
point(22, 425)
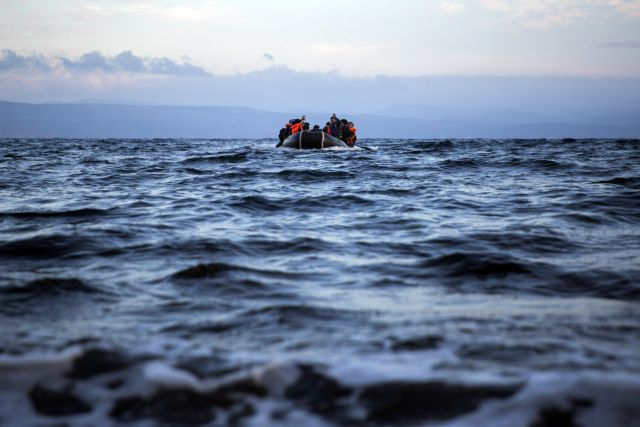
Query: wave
point(462, 163)
point(434, 146)
point(220, 269)
point(620, 207)
point(391, 403)
point(74, 213)
point(312, 175)
point(159, 393)
point(585, 218)
point(501, 273)
point(118, 387)
point(629, 182)
point(528, 242)
point(49, 286)
point(548, 164)
point(469, 264)
point(221, 158)
point(202, 271)
point(301, 314)
point(50, 246)
point(254, 246)
point(295, 246)
point(261, 203)
point(421, 343)
point(195, 171)
point(95, 161)
point(595, 283)
point(92, 362)
point(272, 319)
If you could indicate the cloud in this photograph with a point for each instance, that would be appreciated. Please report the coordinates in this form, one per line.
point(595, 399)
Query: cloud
point(626, 7)
point(168, 67)
point(621, 45)
point(10, 60)
point(452, 8)
point(128, 61)
point(543, 14)
point(183, 13)
point(538, 14)
point(125, 62)
point(89, 62)
point(268, 57)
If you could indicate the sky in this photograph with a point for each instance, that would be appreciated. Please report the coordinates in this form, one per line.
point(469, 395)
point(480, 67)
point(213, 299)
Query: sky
point(355, 38)
point(534, 60)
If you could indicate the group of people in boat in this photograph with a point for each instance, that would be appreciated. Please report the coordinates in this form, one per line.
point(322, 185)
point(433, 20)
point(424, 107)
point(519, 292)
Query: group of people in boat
point(342, 129)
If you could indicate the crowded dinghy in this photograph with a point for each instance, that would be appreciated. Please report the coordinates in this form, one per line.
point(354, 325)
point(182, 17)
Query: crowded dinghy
point(309, 140)
point(339, 133)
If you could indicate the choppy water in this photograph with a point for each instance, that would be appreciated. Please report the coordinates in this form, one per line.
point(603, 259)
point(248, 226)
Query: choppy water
point(226, 282)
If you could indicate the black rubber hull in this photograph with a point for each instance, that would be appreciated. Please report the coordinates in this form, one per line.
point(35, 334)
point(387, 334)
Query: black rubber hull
point(307, 140)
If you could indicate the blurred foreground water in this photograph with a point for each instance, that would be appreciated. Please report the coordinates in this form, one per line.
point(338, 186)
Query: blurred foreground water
point(226, 282)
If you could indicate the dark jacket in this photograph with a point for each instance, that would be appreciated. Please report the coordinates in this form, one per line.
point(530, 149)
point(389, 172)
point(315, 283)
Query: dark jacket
point(345, 133)
point(336, 130)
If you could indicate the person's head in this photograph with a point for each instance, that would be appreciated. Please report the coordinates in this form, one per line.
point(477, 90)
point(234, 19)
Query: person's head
point(288, 125)
point(328, 124)
point(316, 127)
point(344, 122)
point(351, 125)
point(305, 126)
point(333, 119)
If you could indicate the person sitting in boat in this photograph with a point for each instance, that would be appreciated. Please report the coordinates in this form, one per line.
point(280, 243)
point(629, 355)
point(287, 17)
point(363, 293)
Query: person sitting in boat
point(284, 132)
point(316, 128)
point(305, 126)
point(351, 141)
point(345, 133)
point(292, 127)
point(335, 129)
point(296, 125)
point(327, 128)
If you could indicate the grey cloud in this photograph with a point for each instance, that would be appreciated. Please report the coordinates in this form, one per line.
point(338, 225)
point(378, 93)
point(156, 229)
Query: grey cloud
point(128, 61)
point(166, 66)
point(10, 60)
point(268, 57)
point(88, 62)
point(622, 45)
point(96, 61)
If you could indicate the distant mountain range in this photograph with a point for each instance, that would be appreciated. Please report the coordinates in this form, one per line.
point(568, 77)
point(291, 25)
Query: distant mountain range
point(106, 119)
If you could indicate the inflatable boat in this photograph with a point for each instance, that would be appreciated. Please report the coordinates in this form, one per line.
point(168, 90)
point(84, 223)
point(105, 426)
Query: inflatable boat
point(307, 140)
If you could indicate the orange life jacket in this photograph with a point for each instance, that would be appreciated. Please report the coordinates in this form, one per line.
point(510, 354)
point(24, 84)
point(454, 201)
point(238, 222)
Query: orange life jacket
point(352, 139)
point(296, 128)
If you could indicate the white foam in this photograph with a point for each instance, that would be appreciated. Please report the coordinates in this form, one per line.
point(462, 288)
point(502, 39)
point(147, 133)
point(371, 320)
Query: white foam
point(21, 372)
point(614, 398)
point(291, 417)
point(161, 374)
point(596, 398)
point(277, 377)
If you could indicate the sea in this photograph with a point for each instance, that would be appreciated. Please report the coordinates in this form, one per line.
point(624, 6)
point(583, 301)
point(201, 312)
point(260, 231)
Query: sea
point(457, 283)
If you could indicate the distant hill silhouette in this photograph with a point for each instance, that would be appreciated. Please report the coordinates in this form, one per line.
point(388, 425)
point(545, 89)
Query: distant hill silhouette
point(107, 120)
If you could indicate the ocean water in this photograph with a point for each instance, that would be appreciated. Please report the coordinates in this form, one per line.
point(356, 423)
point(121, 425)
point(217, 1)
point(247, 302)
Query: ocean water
point(226, 282)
